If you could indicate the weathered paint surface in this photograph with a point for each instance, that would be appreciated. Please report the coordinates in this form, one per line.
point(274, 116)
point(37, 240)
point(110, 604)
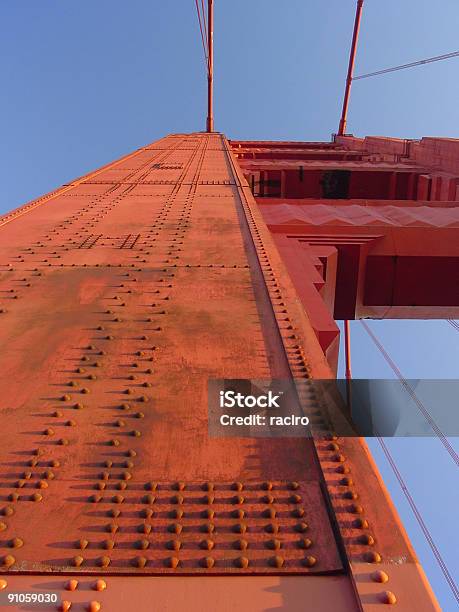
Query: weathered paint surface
point(121, 295)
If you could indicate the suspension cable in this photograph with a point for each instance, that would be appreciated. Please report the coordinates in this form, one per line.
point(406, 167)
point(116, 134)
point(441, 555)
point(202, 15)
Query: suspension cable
point(438, 432)
point(417, 514)
point(420, 520)
point(205, 23)
point(428, 60)
point(203, 30)
point(454, 324)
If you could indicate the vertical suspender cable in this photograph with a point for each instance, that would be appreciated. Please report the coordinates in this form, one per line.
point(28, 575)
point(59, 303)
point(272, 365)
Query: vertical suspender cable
point(350, 69)
point(347, 356)
point(210, 71)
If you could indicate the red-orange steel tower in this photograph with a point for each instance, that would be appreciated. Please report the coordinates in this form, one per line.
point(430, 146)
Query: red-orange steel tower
point(192, 258)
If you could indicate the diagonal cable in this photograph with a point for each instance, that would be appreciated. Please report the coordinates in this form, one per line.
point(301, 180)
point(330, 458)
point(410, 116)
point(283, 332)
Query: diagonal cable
point(438, 432)
point(428, 60)
point(425, 530)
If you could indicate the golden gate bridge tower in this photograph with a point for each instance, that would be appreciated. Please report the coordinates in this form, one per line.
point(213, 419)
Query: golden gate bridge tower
point(197, 257)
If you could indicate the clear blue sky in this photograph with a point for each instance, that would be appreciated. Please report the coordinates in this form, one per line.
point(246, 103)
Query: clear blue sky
point(85, 81)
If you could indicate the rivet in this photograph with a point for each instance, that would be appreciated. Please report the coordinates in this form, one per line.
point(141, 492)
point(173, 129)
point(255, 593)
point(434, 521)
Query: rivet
point(309, 561)
point(3, 526)
point(242, 562)
point(208, 562)
point(66, 605)
point(109, 544)
point(94, 606)
point(269, 513)
point(104, 561)
point(238, 486)
point(8, 561)
point(379, 576)
point(301, 527)
point(77, 561)
point(82, 544)
point(388, 598)
point(298, 512)
point(372, 557)
point(140, 562)
point(276, 561)
point(356, 509)
point(16, 543)
point(295, 499)
point(100, 585)
point(366, 539)
point(173, 562)
point(8, 511)
point(72, 585)
point(37, 497)
point(350, 495)
point(272, 528)
point(174, 545)
point(3, 584)
point(360, 523)
point(274, 544)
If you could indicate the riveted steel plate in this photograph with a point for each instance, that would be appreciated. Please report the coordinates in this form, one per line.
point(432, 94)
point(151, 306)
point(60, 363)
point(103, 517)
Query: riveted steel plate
point(118, 305)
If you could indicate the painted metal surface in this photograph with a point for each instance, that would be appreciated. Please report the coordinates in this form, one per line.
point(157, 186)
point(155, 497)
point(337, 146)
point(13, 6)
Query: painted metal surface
point(120, 295)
